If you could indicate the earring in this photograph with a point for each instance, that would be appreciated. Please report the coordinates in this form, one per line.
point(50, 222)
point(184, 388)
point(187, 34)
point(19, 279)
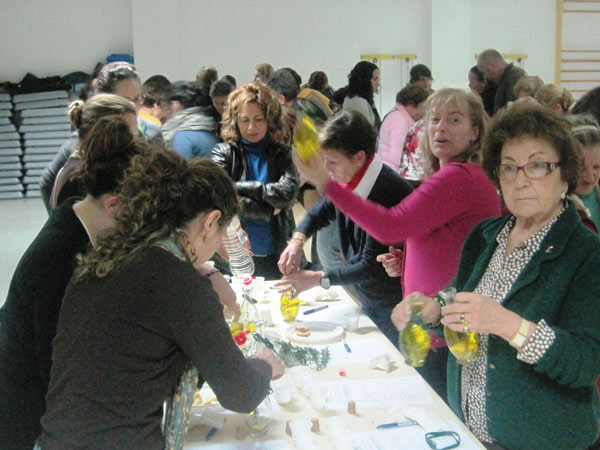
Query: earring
point(563, 195)
point(204, 239)
point(191, 250)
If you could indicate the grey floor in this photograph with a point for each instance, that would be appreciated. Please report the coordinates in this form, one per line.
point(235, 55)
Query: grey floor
point(20, 221)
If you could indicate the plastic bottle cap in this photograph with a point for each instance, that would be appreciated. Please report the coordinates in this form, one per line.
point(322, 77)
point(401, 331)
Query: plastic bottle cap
point(247, 281)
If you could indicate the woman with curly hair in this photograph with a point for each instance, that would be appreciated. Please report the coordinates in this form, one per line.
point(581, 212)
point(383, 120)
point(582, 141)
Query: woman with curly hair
point(29, 316)
point(363, 83)
point(142, 323)
point(255, 156)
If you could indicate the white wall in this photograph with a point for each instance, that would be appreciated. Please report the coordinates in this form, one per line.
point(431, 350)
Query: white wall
point(312, 35)
point(177, 37)
point(450, 50)
point(56, 37)
point(517, 27)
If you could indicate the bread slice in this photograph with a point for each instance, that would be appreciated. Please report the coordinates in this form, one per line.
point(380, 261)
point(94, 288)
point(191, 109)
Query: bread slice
point(302, 332)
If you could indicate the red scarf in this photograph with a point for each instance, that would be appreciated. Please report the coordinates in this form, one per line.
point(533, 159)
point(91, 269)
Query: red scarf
point(358, 175)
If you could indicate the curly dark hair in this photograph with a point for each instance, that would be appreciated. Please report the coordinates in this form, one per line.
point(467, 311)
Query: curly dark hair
point(160, 193)
point(106, 153)
point(524, 120)
point(259, 93)
point(359, 81)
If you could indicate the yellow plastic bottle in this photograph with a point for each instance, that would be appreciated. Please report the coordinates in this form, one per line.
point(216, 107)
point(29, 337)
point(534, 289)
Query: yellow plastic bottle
point(289, 305)
point(415, 339)
point(306, 138)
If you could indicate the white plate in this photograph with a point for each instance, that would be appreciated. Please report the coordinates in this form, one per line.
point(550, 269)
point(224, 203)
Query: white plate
point(320, 332)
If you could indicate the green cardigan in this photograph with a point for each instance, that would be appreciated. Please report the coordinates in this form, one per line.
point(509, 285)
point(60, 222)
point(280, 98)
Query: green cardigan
point(552, 404)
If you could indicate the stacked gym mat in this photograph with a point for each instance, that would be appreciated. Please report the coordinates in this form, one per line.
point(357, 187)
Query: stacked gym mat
point(44, 127)
point(11, 169)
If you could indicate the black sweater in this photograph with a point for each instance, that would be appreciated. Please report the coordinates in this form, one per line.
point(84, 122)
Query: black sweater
point(122, 343)
point(28, 324)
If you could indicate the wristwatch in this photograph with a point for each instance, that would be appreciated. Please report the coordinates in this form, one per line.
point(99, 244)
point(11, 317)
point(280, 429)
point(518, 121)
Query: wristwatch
point(518, 340)
point(325, 282)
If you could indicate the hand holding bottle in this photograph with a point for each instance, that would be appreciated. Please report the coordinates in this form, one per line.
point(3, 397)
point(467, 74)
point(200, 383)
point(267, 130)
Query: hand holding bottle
point(277, 368)
point(431, 311)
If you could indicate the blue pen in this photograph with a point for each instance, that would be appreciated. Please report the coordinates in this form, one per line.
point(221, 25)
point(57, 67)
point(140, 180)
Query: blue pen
point(211, 433)
point(383, 426)
point(346, 346)
point(314, 310)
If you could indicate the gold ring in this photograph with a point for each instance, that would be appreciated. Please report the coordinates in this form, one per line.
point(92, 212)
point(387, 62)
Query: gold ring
point(465, 329)
point(462, 317)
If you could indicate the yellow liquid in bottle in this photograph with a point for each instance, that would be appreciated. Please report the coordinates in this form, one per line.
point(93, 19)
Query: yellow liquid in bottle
point(306, 139)
point(289, 305)
point(236, 327)
point(414, 344)
point(462, 345)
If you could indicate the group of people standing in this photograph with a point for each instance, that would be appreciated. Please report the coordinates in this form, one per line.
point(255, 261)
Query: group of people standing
point(113, 309)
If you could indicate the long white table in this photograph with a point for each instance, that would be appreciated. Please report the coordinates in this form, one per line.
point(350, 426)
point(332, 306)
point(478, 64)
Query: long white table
point(349, 373)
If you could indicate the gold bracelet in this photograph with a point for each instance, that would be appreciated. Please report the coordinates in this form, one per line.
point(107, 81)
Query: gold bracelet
point(298, 239)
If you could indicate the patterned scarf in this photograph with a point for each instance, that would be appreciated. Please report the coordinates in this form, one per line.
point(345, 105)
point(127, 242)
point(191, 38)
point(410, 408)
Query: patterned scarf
point(178, 409)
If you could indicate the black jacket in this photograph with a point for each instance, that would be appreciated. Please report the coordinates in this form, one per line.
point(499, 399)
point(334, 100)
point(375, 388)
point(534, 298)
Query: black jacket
point(374, 287)
point(260, 200)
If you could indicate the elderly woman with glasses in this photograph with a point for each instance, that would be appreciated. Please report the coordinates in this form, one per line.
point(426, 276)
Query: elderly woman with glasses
point(530, 289)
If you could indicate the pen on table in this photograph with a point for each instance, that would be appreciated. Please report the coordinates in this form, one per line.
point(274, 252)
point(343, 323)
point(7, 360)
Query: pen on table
point(346, 346)
point(314, 310)
point(211, 433)
point(383, 426)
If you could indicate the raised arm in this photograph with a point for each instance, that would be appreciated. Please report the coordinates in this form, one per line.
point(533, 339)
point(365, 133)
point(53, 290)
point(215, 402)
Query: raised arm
point(433, 204)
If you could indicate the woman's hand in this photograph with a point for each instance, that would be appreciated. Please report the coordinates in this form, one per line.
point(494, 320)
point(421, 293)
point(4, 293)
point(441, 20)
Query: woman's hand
point(393, 262)
point(481, 315)
point(430, 312)
point(223, 289)
point(277, 369)
point(301, 280)
point(290, 258)
point(313, 170)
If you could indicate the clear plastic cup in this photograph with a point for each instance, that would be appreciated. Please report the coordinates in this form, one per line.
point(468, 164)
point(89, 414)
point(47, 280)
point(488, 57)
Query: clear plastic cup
point(352, 321)
point(283, 391)
point(317, 396)
point(297, 372)
point(301, 430)
point(306, 384)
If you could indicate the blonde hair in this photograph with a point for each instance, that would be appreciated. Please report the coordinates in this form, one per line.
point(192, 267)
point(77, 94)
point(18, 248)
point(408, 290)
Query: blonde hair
point(470, 105)
point(529, 85)
point(551, 95)
point(83, 116)
point(262, 95)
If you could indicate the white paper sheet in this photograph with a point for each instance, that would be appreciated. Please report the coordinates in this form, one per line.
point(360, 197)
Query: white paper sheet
point(279, 444)
point(378, 393)
point(408, 438)
point(362, 351)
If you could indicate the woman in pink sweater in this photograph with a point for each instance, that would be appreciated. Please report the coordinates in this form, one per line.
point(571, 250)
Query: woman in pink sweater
point(435, 219)
point(396, 123)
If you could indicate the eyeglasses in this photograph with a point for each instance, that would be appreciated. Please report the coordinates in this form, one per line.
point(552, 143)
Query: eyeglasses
point(536, 169)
